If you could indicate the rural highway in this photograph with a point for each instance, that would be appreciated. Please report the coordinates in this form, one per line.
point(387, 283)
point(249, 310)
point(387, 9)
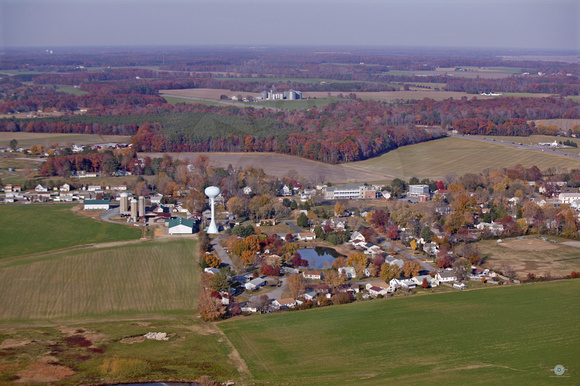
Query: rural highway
point(519, 145)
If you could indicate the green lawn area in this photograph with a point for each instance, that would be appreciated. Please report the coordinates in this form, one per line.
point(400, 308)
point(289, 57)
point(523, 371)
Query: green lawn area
point(297, 104)
point(27, 229)
point(512, 335)
point(174, 100)
point(134, 280)
point(435, 159)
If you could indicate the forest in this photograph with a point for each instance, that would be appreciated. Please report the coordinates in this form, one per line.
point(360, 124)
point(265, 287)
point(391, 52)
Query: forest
point(117, 93)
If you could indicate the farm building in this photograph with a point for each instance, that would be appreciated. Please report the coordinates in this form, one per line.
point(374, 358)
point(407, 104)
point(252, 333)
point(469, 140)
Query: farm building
point(97, 204)
point(181, 226)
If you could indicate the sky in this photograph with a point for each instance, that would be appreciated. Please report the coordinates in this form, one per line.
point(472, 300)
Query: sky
point(525, 24)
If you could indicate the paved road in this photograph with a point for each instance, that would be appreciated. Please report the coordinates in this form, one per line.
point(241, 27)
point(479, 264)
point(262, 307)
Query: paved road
point(221, 252)
point(518, 145)
point(106, 215)
point(407, 256)
point(277, 292)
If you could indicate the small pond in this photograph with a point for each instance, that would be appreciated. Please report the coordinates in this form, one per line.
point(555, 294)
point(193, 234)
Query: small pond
point(319, 257)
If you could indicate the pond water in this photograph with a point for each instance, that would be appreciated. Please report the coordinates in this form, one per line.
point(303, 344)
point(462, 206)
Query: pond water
point(319, 257)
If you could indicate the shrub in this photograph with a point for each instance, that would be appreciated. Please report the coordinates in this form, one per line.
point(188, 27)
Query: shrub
point(129, 368)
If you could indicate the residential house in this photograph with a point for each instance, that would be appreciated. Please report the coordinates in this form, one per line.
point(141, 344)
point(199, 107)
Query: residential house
point(392, 261)
point(248, 307)
point(447, 276)
point(312, 275)
point(309, 295)
point(41, 188)
point(460, 286)
point(305, 236)
point(65, 188)
point(376, 291)
point(403, 282)
point(431, 280)
point(285, 303)
point(211, 270)
point(255, 284)
point(356, 236)
point(350, 272)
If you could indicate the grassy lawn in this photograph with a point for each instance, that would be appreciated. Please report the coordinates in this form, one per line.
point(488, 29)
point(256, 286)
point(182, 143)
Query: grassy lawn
point(128, 280)
point(435, 159)
point(27, 229)
point(509, 334)
point(531, 254)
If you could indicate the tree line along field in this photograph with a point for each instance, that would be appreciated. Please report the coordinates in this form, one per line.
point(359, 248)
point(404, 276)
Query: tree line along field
point(131, 281)
point(435, 159)
point(515, 334)
point(28, 229)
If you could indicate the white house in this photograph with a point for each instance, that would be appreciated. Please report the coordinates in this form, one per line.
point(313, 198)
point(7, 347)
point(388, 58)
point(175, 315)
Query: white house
point(305, 236)
point(211, 270)
point(65, 188)
point(350, 272)
point(376, 291)
point(255, 284)
point(417, 190)
point(460, 286)
point(313, 275)
point(96, 204)
point(392, 261)
point(568, 198)
point(41, 188)
point(310, 295)
point(447, 276)
point(357, 236)
point(403, 282)
point(419, 280)
point(285, 303)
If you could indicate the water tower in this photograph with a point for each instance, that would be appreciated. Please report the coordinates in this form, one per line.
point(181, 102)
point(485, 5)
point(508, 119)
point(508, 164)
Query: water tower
point(212, 192)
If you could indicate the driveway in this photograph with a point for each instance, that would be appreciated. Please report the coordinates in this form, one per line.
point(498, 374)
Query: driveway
point(293, 226)
point(106, 215)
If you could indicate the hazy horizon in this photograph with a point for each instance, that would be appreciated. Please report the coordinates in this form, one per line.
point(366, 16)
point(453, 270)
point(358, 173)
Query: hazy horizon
point(507, 24)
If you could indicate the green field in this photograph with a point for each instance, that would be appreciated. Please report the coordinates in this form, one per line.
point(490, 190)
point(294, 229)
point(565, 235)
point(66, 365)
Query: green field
point(512, 335)
point(297, 104)
point(27, 229)
point(174, 100)
point(435, 159)
point(159, 278)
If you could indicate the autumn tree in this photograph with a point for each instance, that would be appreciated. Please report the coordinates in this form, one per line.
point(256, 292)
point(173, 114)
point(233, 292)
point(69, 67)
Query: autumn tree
point(389, 272)
point(411, 268)
point(220, 282)
point(333, 279)
point(210, 308)
point(339, 208)
point(462, 268)
point(212, 260)
point(339, 262)
point(296, 285)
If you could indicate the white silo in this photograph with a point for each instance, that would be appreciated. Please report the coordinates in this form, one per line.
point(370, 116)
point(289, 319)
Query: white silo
point(124, 207)
point(141, 206)
point(134, 215)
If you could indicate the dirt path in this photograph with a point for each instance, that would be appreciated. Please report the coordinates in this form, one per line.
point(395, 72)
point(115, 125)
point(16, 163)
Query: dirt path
point(235, 356)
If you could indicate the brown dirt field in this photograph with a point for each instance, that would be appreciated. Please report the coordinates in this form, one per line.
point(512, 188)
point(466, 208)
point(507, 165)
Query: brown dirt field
point(10, 343)
point(205, 93)
point(280, 164)
point(528, 245)
point(44, 372)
